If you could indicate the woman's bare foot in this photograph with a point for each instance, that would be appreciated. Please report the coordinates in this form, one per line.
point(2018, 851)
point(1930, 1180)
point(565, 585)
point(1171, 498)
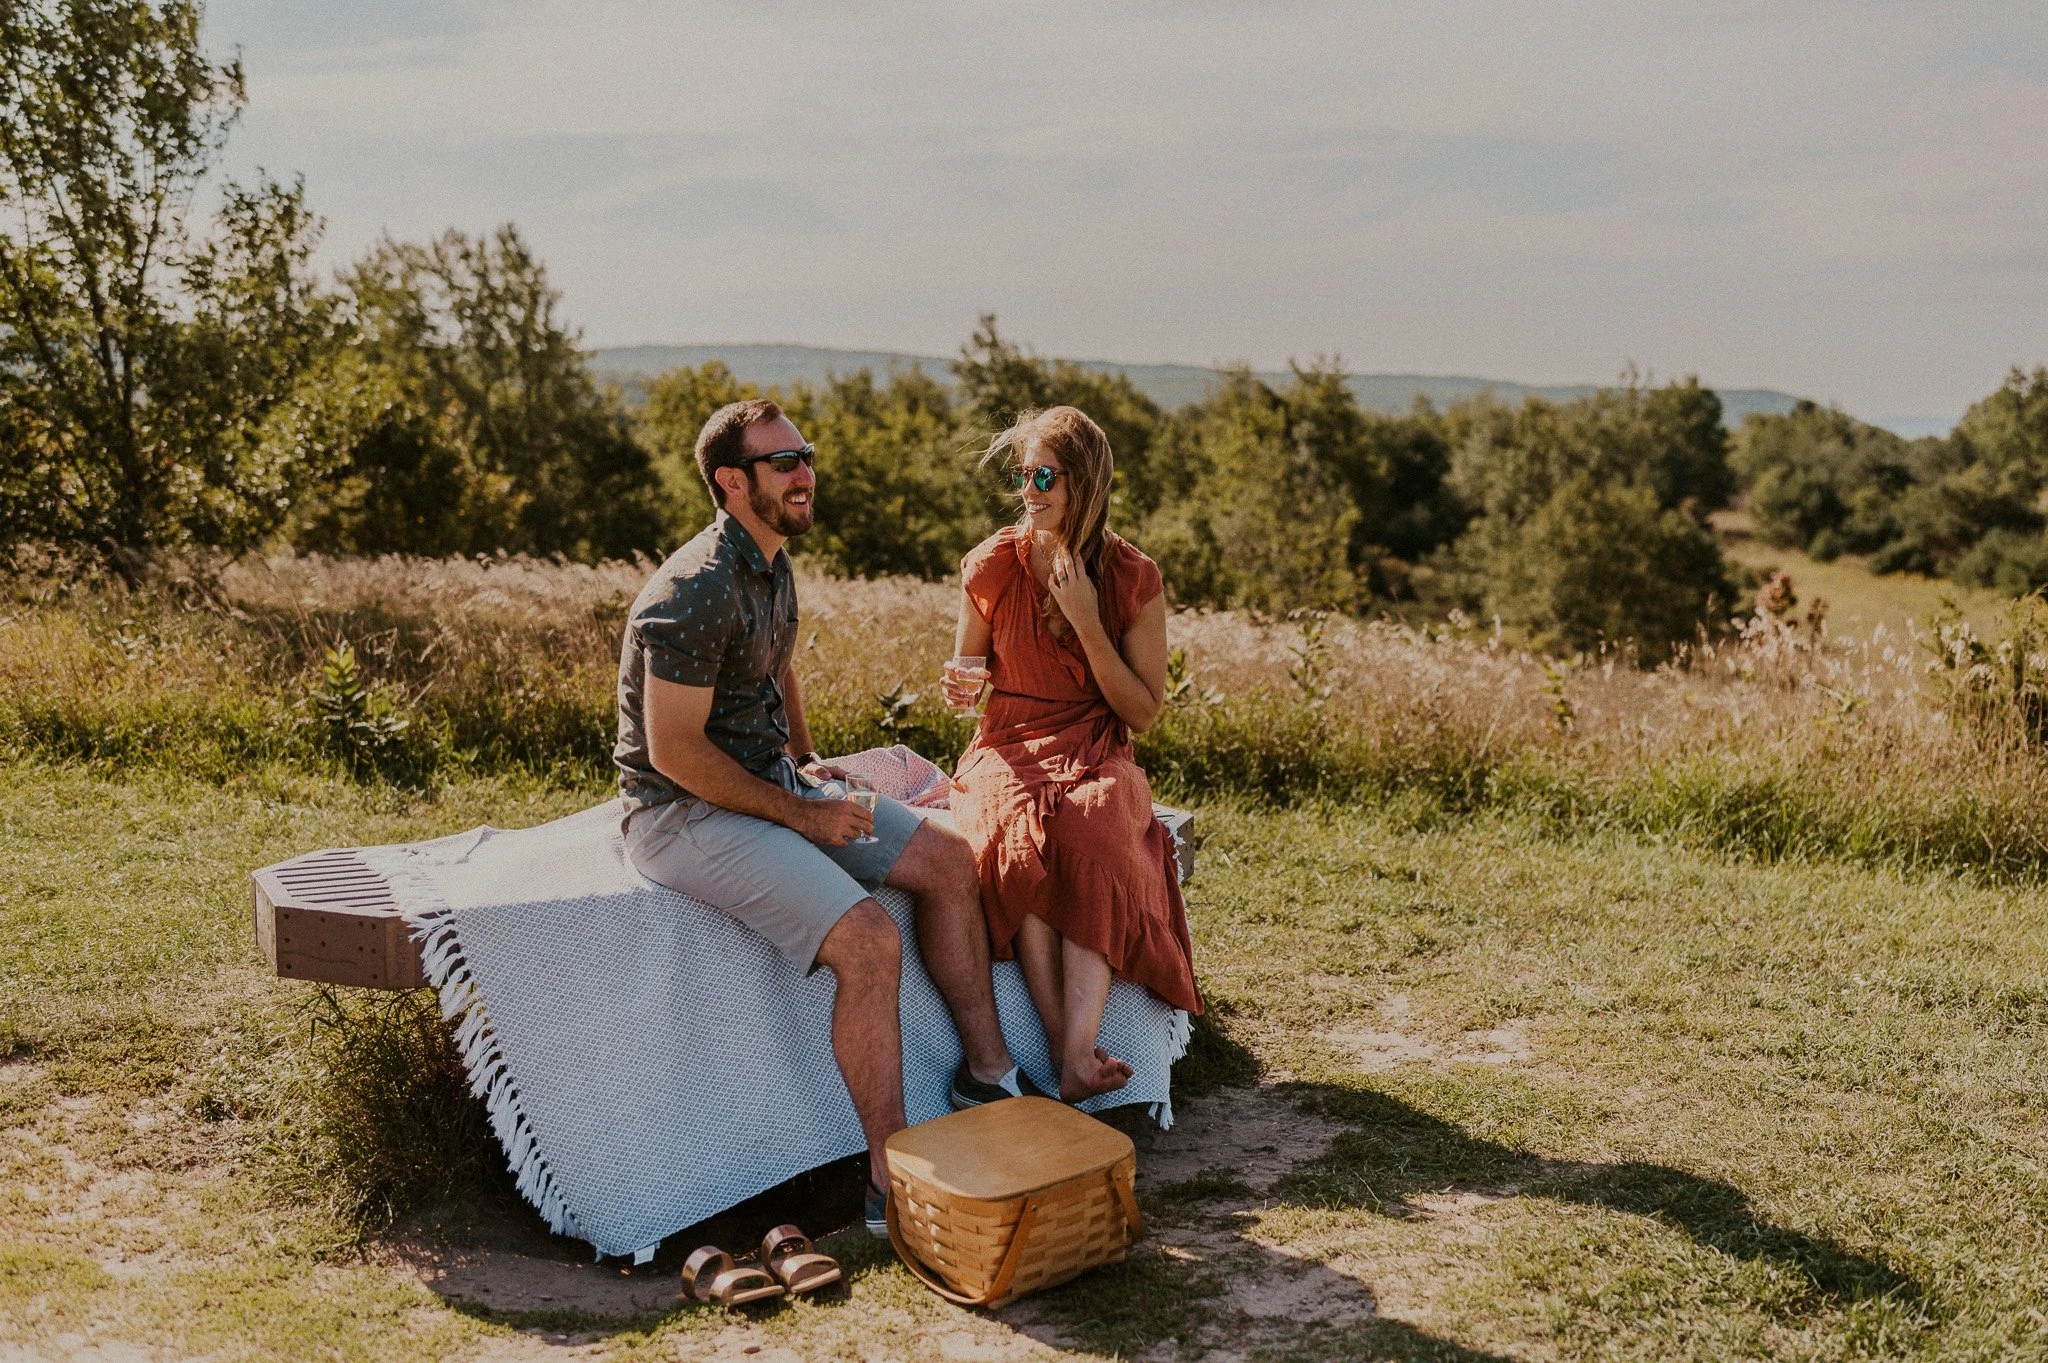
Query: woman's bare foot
point(1085, 1076)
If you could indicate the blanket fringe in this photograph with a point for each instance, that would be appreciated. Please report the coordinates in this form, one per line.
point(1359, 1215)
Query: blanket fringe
point(489, 1078)
point(434, 928)
point(1180, 1030)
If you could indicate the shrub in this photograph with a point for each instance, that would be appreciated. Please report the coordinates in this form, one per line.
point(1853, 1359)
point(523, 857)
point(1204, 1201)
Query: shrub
point(1590, 528)
point(1780, 742)
point(2010, 561)
point(1600, 565)
point(1267, 523)
point(372, 1115)
point(358, 723)
point(1821, 478)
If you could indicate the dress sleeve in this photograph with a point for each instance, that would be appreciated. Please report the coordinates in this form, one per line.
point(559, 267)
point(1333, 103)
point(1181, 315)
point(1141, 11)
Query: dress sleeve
point(1137, 583)
point(984, 573)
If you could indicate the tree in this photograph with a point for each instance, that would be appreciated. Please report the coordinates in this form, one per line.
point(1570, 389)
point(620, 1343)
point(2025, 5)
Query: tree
point(2007, 432)
point(999, 380)
point(1393, 468)
point(146, 372)
point(900, 491)
point(1691, 462)
point(1976, 510)
point(1669, 440)
point(1267, 523)
point(678, 404)
point(1590, 520)
point(476, 425)
point(1823, 481)
point(1601, 563)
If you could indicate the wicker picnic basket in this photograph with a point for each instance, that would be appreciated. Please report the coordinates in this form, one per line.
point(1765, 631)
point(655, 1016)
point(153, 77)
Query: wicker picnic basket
point(1001, 1200)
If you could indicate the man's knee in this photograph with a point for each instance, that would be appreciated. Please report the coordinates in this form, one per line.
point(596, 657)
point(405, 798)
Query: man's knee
point(863, 945)
point(941, 857)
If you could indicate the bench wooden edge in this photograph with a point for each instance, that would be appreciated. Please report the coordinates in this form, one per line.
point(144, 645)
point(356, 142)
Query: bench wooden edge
point(307, 938)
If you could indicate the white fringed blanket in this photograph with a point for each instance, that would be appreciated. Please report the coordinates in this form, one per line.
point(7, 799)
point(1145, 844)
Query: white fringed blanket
point(646, 1060)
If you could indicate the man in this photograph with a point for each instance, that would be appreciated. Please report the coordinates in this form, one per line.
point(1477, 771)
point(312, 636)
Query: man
point(713, 753)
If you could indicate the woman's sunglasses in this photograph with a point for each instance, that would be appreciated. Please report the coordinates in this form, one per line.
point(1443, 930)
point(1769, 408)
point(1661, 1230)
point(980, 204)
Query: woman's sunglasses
point(1042, 477)
point(783, 461)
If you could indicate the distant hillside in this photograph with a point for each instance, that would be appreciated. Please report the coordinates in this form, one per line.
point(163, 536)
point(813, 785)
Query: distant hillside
point(1169, 385)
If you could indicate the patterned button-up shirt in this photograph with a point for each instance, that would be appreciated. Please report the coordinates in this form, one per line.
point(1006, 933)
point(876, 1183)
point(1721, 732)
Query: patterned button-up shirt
point(716, 614)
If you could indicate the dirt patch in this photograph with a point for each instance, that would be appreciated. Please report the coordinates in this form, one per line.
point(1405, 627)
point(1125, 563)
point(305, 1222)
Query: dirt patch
point(1375, 1049)
point(77, 1349)
point(1253, 1133)
point(506, 1280)
point(1371, 1052)
point(1452, 1206)
point(982, 1343)
point(1266, 1281)
point(502, 1259)
point(507, 1261)
point(1507, 1044)
point(1256, 1135)
point(1264, 1293)
point(498, 1254)
point(532, 1349)
point(17, 1070)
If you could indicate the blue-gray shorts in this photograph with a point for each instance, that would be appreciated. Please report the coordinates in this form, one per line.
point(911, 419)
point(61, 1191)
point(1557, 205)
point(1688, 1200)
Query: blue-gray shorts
point(773, 879)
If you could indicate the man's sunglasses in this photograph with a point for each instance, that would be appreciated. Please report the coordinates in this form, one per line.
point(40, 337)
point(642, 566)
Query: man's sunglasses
point(1042, 477)
point(783, 461)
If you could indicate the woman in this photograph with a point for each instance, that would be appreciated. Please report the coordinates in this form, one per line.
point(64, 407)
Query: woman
point(1077, 878)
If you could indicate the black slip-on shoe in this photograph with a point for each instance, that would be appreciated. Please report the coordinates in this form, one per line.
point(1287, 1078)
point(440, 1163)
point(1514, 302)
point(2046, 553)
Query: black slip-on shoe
point(877, 1212)
point(971, 1092)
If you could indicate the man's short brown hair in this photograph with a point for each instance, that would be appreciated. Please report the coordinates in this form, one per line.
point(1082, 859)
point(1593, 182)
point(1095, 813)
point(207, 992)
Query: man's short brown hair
point(723, 441)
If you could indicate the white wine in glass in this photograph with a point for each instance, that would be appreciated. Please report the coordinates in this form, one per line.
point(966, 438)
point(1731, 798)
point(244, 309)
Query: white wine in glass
point(861, 790)
point(967, 672)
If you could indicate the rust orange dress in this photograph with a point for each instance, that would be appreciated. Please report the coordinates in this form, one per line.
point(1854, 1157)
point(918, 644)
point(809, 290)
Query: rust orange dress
point(1055, 806)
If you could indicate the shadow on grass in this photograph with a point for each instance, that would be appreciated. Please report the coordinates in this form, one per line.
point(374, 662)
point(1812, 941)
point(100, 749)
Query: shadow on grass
point(1202, 1280)
point(1166, 1302)
point(1391, 1150)
point(492, 1257)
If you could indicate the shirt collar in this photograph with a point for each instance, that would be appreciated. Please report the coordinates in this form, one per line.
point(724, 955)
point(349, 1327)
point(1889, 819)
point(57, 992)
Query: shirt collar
point(739, 538)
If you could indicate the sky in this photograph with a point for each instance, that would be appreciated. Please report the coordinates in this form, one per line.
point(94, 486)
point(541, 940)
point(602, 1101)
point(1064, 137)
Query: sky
point(1847, 201)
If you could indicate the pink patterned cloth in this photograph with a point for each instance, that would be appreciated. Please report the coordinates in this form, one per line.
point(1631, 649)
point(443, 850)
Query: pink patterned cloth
point(901, 775)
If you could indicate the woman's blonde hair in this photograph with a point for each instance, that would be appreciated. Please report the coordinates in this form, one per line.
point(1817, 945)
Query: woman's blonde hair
point(1087, 467)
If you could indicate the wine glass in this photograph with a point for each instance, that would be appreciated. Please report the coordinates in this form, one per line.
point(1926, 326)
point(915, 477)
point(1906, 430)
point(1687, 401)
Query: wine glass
point(863, 792)
point(967, 672)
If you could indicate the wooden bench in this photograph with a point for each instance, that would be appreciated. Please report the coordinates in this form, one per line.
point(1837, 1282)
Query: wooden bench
point(327, 916)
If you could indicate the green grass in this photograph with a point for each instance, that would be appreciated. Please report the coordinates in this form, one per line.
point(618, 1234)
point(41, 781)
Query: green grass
point(1858, 600)
point(1781, 1110)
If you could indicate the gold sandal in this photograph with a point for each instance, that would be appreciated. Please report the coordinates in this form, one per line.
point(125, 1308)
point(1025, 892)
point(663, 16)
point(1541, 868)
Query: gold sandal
point(795, 1261)
point(709, 1275)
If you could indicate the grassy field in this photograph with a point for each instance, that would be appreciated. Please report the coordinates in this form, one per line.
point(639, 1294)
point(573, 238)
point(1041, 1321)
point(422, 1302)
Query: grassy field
point(1516, 1097)
point(1562, 1010)
point(1859, 601)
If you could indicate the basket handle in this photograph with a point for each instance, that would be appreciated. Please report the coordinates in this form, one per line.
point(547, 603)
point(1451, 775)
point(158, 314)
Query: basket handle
point(1120, 1184)
point(1004, 1272)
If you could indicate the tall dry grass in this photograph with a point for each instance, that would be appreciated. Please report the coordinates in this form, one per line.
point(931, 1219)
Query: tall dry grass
point(1921, 749)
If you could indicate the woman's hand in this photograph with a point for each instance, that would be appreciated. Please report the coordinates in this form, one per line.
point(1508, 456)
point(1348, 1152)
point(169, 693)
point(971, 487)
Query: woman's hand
point(1071, 590)
point(962, 686)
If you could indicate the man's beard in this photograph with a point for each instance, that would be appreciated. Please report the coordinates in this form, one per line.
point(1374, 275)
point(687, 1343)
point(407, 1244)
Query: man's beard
point(785, 520)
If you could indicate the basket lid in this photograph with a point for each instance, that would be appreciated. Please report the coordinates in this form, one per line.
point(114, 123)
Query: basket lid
point(1006, 1149)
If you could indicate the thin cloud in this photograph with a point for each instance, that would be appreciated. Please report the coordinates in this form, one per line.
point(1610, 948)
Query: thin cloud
point(1841, 199)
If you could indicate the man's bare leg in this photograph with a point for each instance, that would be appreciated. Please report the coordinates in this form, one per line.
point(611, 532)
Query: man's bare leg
point(1038, 954)
point(937, 868)
point(864, 950)
point(1085, 1068)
